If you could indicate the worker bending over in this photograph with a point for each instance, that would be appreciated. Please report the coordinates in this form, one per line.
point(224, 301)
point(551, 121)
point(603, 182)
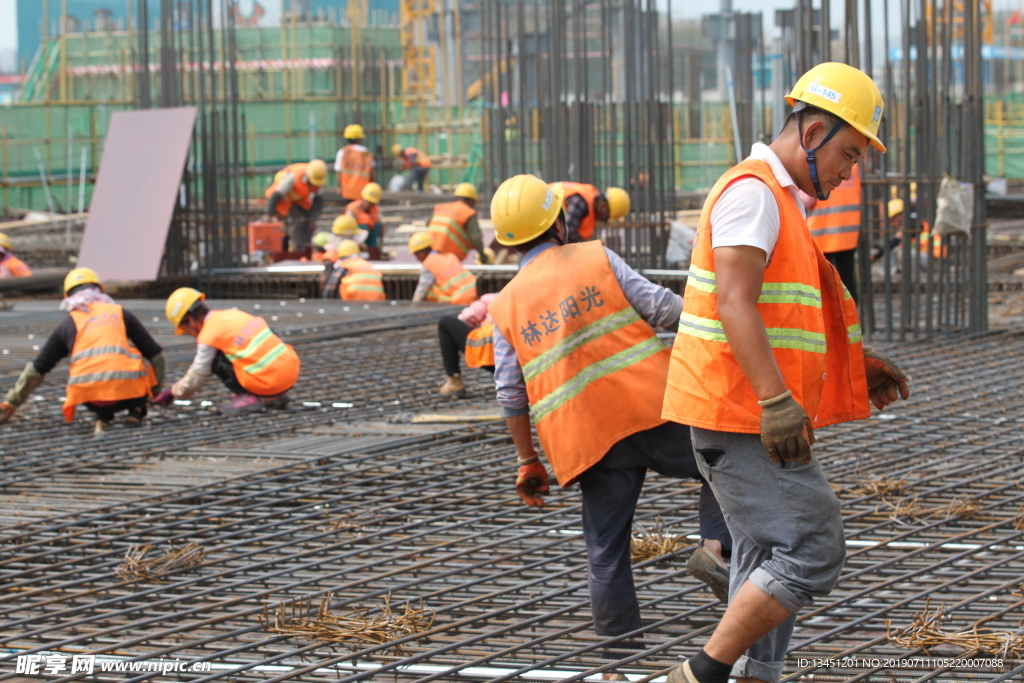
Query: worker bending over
point(471, 332)
point(835, 227)
point(575, 349)
point(295, 198)
point(585, 206)
point(353, 164)
point(353, 277)
point(455, 228)
point(239, 348)
point(11, 265)
point(414, 161)
point(115, 363)
point(769, 348)
point(443, 279)
point(366, 212)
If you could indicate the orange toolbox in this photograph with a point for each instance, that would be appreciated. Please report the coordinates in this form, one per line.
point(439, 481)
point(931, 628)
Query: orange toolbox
point(266, 236)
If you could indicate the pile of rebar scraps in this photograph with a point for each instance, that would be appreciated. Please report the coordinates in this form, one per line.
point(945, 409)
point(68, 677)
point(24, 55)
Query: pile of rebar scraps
point(648, 543)
point(137, 566)
point(926, 632)
point(355, 627)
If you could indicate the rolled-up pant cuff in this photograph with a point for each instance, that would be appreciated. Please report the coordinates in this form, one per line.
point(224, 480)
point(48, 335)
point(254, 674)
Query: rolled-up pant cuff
point(773, 587)
point(745, 667)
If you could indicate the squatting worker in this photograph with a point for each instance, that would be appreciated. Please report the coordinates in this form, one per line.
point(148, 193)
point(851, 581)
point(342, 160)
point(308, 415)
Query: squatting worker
point(366, 213)
point(115, 363)
point(455, 228)
point(575, 348)
point(296, 198)
point(768, 348)
point(239, 348)
point(443, 279)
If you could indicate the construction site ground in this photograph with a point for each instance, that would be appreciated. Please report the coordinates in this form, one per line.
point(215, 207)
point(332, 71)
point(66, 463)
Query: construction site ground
point(429, 565)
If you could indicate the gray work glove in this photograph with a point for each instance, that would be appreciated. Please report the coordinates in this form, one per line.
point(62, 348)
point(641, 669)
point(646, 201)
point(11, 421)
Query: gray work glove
point(159, 364)
point(885, 379)
point(786, 431)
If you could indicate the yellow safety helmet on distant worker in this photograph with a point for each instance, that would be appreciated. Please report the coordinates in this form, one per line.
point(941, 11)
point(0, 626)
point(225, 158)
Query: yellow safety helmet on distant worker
point(420, 241)
point(524, 207)
point(371, 193)
point(348, 248)
point(354, 132)
point(81, 276)
point(895, 207)
point(5, 241)
point(846, 92)
point(467, 191)
point(179, 303)
point(396, 150)
point(618, 202)
point(345, 226)
point(316, 172)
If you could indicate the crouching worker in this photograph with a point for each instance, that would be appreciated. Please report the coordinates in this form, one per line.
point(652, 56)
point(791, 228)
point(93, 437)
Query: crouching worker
point(470, 332)
point(239, 348)
point(107, 373)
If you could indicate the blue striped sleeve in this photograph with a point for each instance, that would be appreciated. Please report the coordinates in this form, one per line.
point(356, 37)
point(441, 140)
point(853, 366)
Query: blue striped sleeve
point(508, 378)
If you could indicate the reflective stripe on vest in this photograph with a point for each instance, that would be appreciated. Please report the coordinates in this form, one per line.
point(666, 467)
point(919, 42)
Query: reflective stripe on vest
point(362, 283)
point(264, 365)
point(105, 376)
point(101, 351)
point(356, 170)
point(806, 312)
point(835, 222)
point(453, 283)
point(480, 346)
point(448, 228)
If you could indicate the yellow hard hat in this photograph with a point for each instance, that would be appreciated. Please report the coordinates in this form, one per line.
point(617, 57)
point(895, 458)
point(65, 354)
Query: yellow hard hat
point(316, 171)
point(524, 207)
point(179, 303)
point(345, 225)
point(420, 241)
point(467, 191)
point(396, 150)
point(895, 207)
point(354, 132)
point(618, 202)
point(371, 193)
point(845, 91)
point(348, 248)
point(5, 241)
point(321, 239)
point(81, 276)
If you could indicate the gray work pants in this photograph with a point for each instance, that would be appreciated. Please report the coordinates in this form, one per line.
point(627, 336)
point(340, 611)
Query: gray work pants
point(786, 528)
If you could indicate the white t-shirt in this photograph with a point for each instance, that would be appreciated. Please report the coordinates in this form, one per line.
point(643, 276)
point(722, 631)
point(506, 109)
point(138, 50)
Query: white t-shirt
point(746, 214)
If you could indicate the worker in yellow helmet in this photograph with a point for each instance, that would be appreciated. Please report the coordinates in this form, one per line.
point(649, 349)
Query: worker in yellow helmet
point(769, 349)
point(296, 197)
point(585, 206)
point(239, 348)
point(455, 228)
point(443, 279)
point(575, 349)
point(115, 363)
point(366, 212)
point(356, 278)
point(353, 164)
point(10, 265)
point(414, 161)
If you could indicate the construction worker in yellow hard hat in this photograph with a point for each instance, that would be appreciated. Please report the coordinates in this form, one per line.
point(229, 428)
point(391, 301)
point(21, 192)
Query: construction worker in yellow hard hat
point(239, 348)
point(353, 164)
point(575, 348)
point(455, 227)
point(414, 161)
point(585, 206)
point(354, 278)
point(928, 247)
point(295, 197)
point(366, 212)
point(443, 279)
point(768, 349)
point(10, 265)
point(115, 363)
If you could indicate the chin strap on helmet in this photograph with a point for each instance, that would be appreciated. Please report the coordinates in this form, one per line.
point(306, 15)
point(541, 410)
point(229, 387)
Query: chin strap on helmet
point(812, 165)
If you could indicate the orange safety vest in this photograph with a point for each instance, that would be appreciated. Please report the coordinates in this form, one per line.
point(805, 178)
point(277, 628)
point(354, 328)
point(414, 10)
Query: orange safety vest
point(588, 192)
point(363, 282)
point(588, 358)
point(365, 219)
point(104, 364)
point(835, 222)
point(301, 193)
point(264, 365)
point(422, 160)
point(810, 319)
point(480, 346)
point(356, 170)
point(448, 228)
point(938, 249)
point(454, 284)
point(17, 267)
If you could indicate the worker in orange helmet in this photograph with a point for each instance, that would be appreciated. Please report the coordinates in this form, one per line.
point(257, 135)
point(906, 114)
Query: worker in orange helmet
point(768, 349)
point(239, 348)
point(443, 279)
point(10, 265)
point(415, 161)
point(115, 363)
point(296, 198)
point(353, 164)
